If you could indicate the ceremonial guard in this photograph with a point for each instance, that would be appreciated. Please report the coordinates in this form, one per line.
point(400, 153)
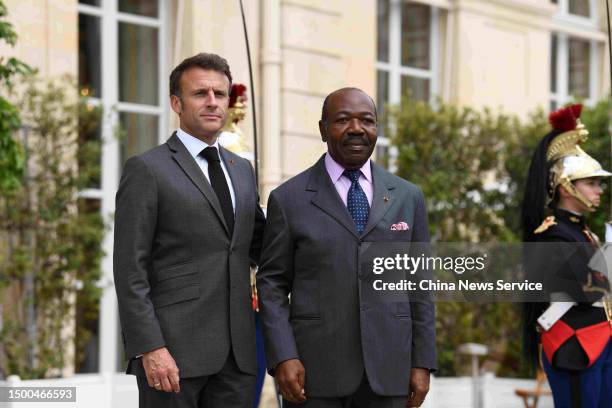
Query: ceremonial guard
point(573, 329)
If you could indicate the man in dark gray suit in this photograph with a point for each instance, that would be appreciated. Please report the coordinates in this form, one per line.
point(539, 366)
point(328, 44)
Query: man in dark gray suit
point(187, 225)
point(326, 345)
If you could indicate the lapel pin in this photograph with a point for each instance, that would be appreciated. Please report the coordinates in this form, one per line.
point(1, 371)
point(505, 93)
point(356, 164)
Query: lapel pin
point(231, 161)
point(386, 198)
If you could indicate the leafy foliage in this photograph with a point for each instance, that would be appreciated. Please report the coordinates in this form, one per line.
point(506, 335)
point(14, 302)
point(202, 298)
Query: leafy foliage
point(472, 167)
point(11, 157)
point(53, 238)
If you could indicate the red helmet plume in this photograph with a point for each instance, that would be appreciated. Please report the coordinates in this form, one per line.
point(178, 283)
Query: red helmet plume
point(564, 119)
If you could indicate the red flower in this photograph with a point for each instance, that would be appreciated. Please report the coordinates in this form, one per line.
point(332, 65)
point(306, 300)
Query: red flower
point(238, 91)
point(564, 119)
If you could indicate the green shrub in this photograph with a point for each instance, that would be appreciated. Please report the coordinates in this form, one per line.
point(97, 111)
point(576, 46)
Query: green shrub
point(472, 167)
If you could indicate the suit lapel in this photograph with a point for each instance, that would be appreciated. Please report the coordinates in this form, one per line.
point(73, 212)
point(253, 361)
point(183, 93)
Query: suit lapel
point(382, 199)
point(239, 188)
point(326, 196)
point(194, 172)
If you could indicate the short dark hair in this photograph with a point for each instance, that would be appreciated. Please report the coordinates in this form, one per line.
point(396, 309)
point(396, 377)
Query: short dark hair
point(350, 88)
point(202, 60)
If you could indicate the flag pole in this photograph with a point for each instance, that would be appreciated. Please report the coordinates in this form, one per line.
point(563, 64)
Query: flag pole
point(253, 100)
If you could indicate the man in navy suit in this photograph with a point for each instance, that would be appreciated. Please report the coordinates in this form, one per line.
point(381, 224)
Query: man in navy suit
point(326, 345)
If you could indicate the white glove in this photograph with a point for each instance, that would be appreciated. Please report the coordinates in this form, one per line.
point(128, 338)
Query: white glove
point(601, 261)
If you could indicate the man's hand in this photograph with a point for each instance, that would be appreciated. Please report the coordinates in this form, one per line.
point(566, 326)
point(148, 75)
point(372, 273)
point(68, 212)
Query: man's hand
point(290, 376)
point(161, 370)
point(419, 386)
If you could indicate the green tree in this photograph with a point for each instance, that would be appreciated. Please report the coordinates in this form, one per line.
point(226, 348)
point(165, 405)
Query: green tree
point(51, 265)
point(11, 157)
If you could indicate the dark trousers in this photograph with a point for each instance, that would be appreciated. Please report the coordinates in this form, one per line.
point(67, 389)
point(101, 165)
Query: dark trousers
point(229, 388)
point(588, 388)
point(364, 397)
point(261, 361)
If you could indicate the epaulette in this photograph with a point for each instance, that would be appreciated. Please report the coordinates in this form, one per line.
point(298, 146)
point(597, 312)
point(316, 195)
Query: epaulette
point(546, 224)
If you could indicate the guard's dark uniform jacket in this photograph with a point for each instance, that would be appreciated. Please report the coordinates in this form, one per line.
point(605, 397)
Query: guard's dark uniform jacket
point(580, 336)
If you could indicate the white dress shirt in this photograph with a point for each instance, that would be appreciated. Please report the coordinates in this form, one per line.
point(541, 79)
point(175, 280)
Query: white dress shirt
point(194, 147)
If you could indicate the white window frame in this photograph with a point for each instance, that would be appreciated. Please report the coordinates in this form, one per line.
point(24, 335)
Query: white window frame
point(110, 17)
point(395, 69)
point(562, 95)
point(576, 24)
point(563, 15)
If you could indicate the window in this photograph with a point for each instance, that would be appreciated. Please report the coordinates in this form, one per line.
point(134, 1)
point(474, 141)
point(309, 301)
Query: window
point(574, 59)
point(90, 55)
point(578, 67)
point(407, 58)
point(580, 8)
point(120, 66)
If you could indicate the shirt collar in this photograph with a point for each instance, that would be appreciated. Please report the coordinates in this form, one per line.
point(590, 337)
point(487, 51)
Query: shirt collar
point(335, 170)
point(193, 144)
point(570, 217)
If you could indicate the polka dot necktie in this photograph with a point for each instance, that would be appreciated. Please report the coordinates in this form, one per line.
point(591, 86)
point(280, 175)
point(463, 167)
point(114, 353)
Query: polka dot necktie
point(356, 201)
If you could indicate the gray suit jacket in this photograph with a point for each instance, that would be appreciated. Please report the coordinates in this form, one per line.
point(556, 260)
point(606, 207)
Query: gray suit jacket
point(310, 252)
point(181, 281)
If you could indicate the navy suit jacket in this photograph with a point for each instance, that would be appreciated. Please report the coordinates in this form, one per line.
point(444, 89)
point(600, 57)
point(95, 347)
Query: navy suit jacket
point(311, 296)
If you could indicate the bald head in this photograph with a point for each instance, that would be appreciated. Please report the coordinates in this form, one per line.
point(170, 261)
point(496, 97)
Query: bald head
point(338, 92)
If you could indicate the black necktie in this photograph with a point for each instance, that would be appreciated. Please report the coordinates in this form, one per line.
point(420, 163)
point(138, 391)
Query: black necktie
point(219, 184)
